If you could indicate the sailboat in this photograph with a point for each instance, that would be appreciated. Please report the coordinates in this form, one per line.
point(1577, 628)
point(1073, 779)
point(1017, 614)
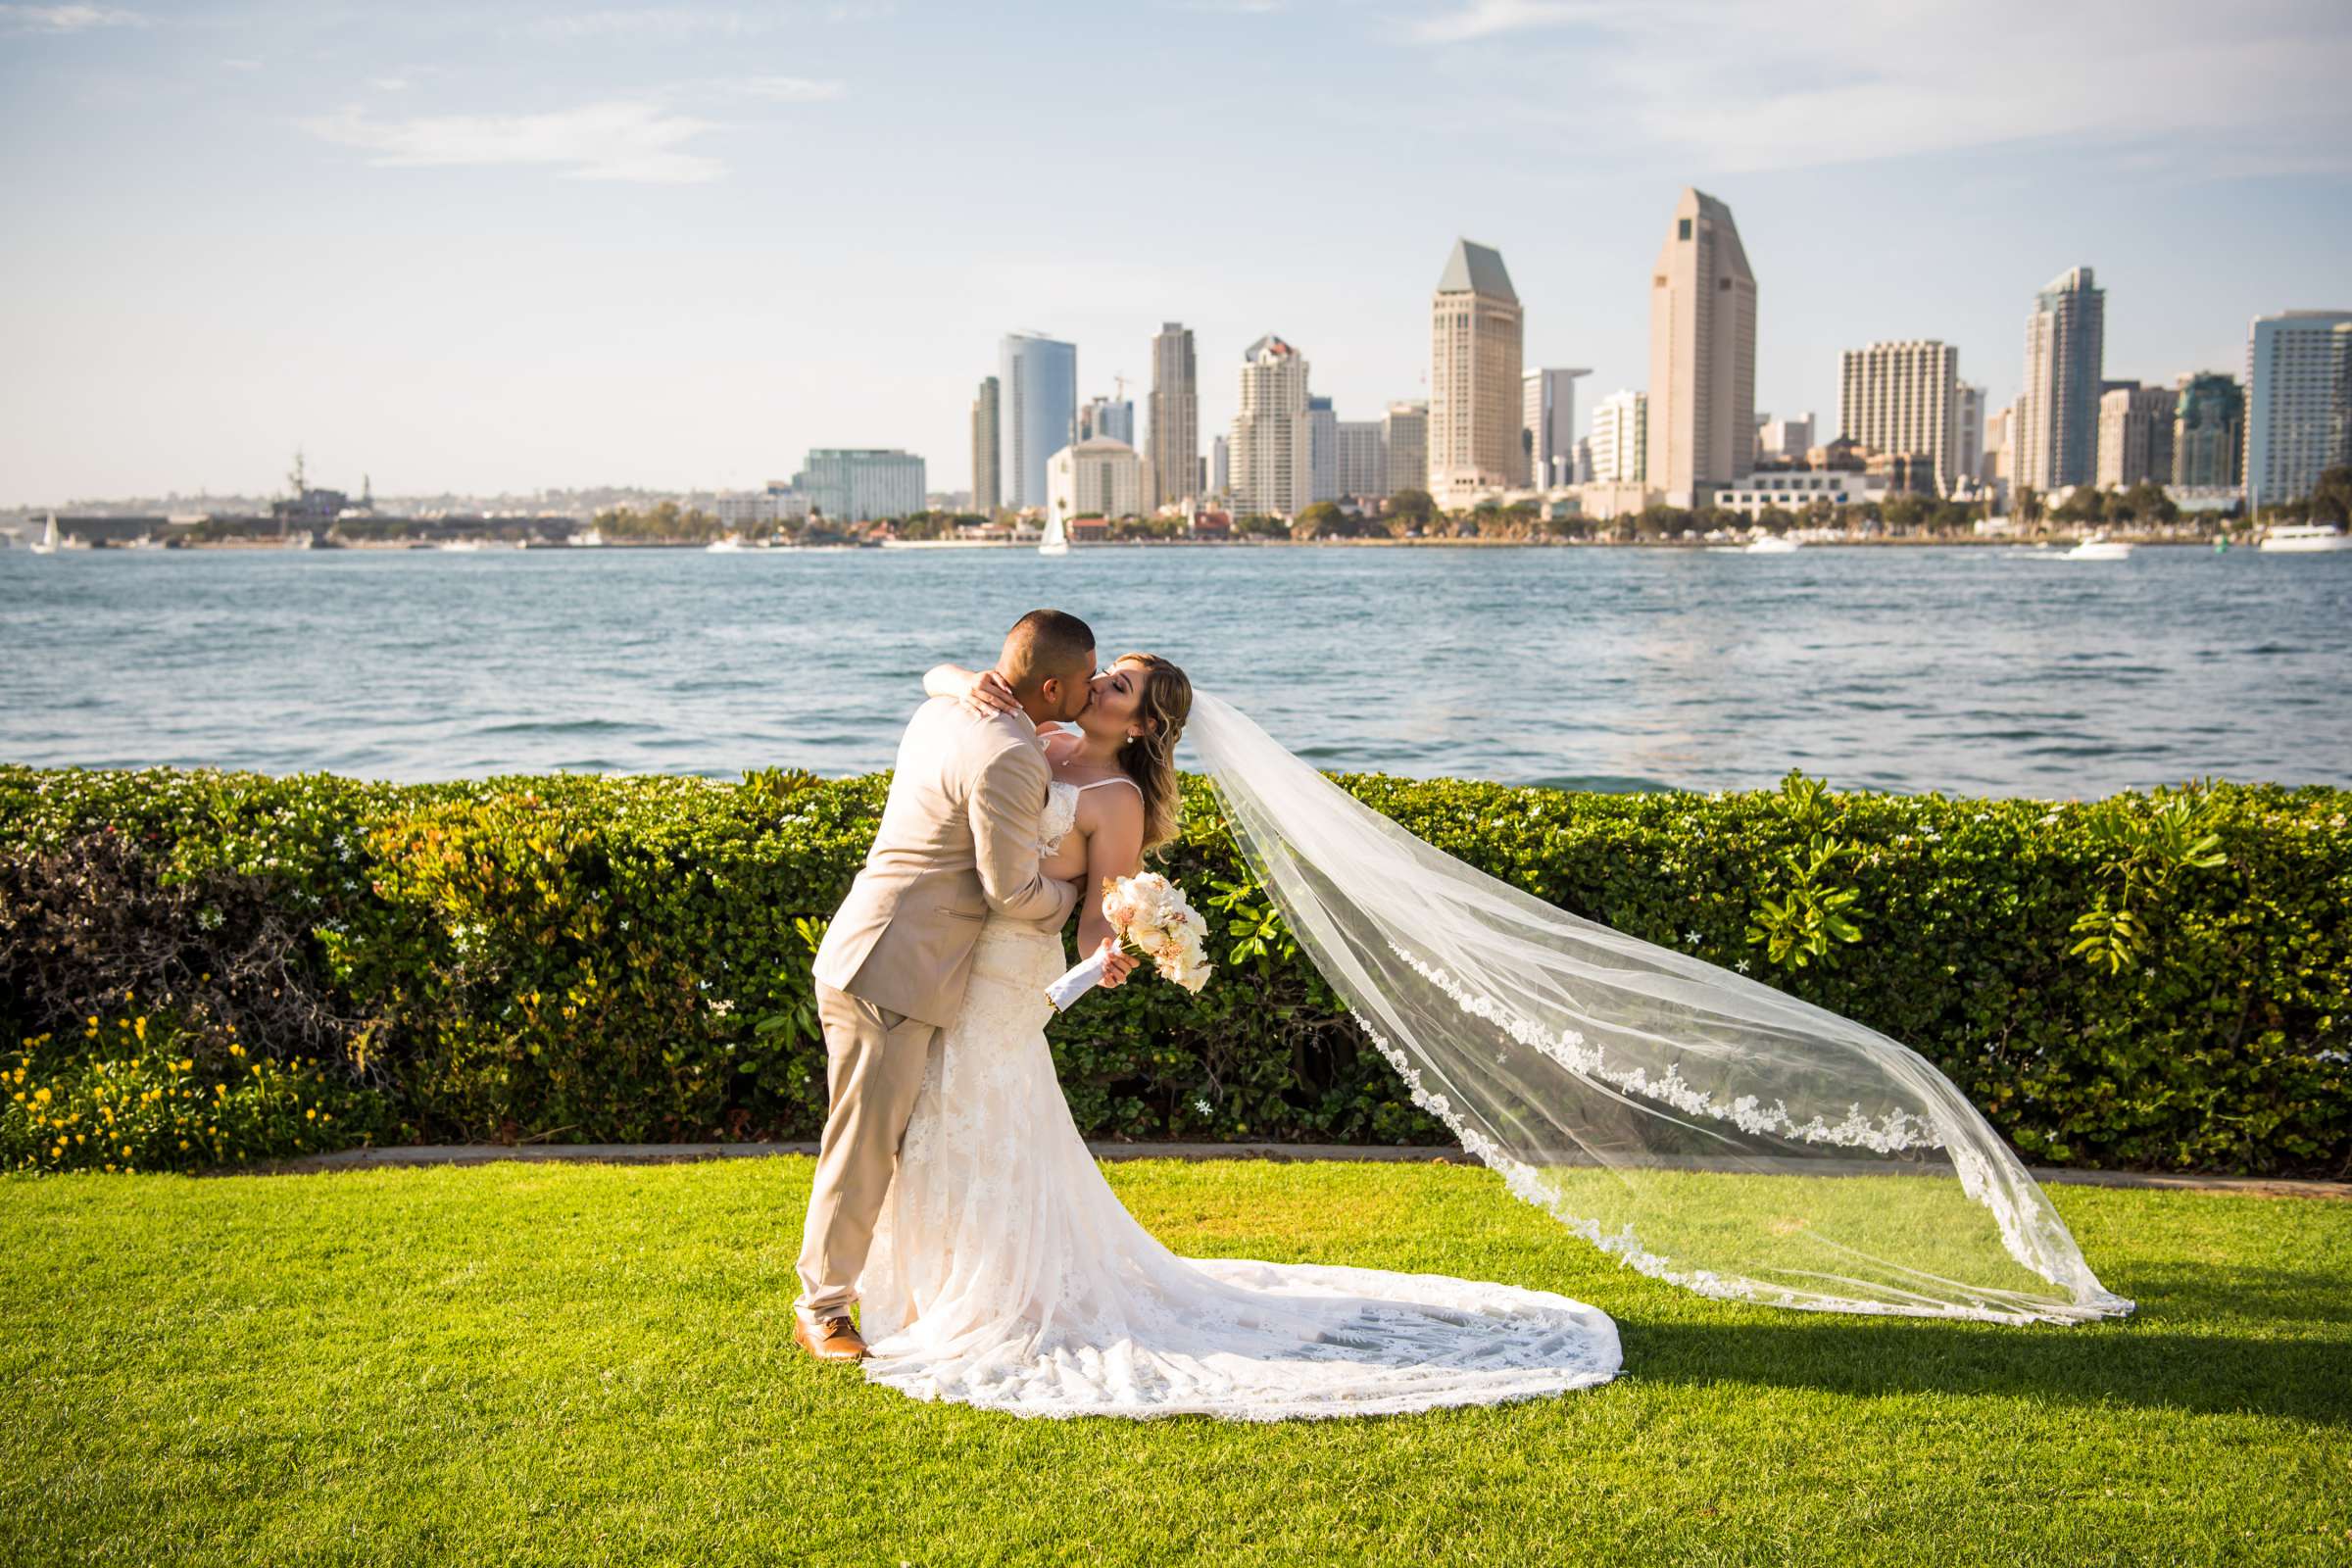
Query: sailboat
point(51, 541)
point(1056, 540)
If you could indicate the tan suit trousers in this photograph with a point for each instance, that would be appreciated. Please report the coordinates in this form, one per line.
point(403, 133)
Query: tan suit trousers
point(874, 1061)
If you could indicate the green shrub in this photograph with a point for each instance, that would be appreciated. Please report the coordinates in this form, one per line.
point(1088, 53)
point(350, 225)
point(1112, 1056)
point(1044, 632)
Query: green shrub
point(584, 959)
point(164, 1091)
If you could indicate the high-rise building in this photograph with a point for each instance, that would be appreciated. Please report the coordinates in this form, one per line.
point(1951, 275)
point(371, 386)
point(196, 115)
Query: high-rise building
point(2057, 430)
point(1272, 451)
point(1583, 460)
point(1038, 410)
point(1547, 426)
point(2000, 447)
point(2208, 426)
point(1787, 437)
point(1322, 449)
point(1476, 331)
point(1621, 439)
point(1172, 450)
point(1702, 354)
point(2298, 402)
point(2135, 435)
point(1364, 459)
point(1968, 444)
point(862, 484)
point(1903, 398)
point(988, 457)
point(1096, 477)
point(1404, 432)
point(1101, 418)
point(1220, 467)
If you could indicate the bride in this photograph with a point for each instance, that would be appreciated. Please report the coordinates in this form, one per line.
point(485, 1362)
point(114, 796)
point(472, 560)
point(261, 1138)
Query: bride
point(1005, 1273)
point(1708, 1131)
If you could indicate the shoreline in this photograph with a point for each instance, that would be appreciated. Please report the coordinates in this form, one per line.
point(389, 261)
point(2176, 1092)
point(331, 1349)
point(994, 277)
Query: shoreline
point(536, 547)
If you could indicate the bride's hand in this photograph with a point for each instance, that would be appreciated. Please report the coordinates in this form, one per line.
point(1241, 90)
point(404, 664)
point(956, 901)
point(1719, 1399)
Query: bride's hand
point(1117, 964)
point(989, 694)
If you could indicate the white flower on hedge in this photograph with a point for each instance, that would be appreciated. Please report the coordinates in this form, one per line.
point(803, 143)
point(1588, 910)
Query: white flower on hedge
point(1204, 1107)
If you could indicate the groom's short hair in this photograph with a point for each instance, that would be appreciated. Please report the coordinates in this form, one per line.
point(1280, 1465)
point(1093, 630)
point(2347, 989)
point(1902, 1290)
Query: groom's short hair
point(1047, 644)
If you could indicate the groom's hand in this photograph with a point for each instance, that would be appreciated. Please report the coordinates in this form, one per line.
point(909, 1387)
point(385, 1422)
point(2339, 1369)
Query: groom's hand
point(1116, 966)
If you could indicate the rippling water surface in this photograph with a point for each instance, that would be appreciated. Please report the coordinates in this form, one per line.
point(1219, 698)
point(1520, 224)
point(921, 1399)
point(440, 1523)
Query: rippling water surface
point(1975, 670)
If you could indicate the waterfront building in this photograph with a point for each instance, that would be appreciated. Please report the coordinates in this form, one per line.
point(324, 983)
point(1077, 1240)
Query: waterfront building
point(1220, 467)
point(1476, 334)
point(862, 484)
point(1904, 397)
point(1172, 451)
point(1785, 438)
point(1405, 432)
point(2298, 402)
point(988, 457)
point(1621, 439)
point(1702, 354)
point(2057, 427)
point(2000, 447)
point(1103, 416)
point(1097, 477)
point(1794, 491)
point(1968, 441)
point(1583, 460)
point(779, 503)
point(2209, 423)
point(1271, 451)
point(1548, 427)
point(2135, 435)
point(1038, 410)
point(1322, 449)
point(1364, 459)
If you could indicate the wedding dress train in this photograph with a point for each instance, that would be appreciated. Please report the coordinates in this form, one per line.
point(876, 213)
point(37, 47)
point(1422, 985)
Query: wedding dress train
point(1005, 1274)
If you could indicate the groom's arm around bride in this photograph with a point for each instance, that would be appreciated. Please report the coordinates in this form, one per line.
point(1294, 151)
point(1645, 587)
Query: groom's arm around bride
point(959, 838)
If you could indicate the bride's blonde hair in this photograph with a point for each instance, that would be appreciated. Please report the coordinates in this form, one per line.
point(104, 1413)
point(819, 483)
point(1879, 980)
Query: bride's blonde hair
point(1149, 759)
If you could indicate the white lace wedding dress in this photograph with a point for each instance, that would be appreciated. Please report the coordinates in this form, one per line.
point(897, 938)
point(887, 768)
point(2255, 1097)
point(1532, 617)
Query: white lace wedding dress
point(1005, 1273)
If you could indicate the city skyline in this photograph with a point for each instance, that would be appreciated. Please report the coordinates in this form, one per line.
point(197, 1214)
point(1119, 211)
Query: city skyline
point(487, 251)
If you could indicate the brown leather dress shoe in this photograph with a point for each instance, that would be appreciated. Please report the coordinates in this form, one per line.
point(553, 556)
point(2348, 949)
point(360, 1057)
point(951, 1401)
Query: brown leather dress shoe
point(832, 1339)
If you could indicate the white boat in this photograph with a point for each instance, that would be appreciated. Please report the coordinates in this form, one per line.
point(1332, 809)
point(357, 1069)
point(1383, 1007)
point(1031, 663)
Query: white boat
point(726, 546)
point(461, 545)
point(1773, 545)
point(2305, 538)
point(2099, 547)
point(1056, 541)
point(588, 538)
point(48, 544)
point(303, 540)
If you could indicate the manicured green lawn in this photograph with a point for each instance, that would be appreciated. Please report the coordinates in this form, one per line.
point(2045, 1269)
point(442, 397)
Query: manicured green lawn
point(586, 1364)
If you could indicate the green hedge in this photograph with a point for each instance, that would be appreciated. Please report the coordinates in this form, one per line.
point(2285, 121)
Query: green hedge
point(2149, 981)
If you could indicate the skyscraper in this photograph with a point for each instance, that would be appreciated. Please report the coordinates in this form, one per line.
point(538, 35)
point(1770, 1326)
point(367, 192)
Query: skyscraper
point(1547, 426)
point(2135, 435)
point(1967, 447)
point(2209, 427)
point(1322, 449)
point(1038, 411)
point(1104, 420)
point(2298, 401)
point(1474, 388)
point(1271, 451)
point(988, 458)
point(1404, 432)
point(1364, 459)
point(1903, 398)
point(1702, 354)
point(1173, 445)
point(1220, 467)
point(1621, 439)
point(2057, 430)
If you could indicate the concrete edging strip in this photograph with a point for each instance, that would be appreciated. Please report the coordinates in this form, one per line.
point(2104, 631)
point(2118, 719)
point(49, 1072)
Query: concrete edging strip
point(667, 1153)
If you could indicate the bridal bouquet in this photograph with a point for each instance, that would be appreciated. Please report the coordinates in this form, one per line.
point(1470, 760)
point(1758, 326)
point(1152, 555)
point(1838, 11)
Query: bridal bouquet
point(1151, 915)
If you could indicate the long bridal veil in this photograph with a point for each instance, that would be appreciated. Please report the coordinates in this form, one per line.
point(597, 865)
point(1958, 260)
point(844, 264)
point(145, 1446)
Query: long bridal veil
point(1704, 1128)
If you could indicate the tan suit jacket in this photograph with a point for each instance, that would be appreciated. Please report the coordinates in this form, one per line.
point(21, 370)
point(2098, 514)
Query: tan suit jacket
point(959, 838)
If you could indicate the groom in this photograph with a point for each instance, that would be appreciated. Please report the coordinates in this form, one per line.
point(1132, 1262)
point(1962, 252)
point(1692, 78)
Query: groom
point(959, 838)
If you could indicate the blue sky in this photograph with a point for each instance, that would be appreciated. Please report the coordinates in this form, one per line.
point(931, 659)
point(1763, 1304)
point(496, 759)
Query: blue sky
point(491, 246)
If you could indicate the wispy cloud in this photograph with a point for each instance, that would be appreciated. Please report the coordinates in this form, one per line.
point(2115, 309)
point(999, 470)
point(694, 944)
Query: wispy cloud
point(65, 19)
point(788, 90)
point(620, 141)
point(1728, 87)
point(1484, 18)
point(631, 22)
